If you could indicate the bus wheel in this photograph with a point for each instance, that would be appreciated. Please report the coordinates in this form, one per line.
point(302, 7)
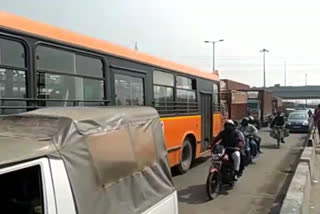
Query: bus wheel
point(186, 157)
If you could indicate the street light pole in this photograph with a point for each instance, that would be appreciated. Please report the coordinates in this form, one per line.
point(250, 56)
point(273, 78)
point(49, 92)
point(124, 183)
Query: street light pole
point(213, 52)
point(285, 73)
point(264, 66)
point(306, 85)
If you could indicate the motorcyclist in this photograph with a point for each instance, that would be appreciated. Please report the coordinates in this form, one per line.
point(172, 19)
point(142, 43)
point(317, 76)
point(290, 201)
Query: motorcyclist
point(230, 137)
point(279, 120)
point(256, 137)
point(249, 130)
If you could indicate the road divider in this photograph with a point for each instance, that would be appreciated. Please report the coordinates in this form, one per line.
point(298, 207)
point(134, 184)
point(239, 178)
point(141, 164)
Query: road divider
point(298, 194)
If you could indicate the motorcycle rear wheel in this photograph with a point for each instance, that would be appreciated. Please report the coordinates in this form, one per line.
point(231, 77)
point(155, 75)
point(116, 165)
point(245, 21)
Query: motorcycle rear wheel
point(213, 185)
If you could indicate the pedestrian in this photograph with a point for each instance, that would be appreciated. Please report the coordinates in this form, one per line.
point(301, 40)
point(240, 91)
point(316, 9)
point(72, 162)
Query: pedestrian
point(317, 119)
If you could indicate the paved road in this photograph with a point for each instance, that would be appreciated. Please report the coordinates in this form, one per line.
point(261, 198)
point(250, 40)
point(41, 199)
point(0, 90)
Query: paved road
point(259, 191)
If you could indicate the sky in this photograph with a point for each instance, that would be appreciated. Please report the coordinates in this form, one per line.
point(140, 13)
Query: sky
point(176, 30)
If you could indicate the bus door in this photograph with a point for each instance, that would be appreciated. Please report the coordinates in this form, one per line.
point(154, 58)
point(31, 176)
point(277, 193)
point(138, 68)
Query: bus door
point(206, 120)
point(129, 88)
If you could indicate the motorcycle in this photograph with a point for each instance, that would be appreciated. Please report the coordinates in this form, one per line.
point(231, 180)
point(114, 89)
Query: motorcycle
point(221, 170)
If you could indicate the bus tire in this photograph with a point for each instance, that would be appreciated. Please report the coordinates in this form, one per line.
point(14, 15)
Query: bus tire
point(185, 157)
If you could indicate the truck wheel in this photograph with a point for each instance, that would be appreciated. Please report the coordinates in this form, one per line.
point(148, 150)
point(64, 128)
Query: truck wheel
point(185, 157)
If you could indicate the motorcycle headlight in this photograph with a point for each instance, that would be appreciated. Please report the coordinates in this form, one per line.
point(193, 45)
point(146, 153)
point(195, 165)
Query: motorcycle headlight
point(305, 123)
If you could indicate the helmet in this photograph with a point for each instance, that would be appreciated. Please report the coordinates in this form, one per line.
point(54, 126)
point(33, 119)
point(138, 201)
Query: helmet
point(229, 125)
point(229, 122)
point(251, 118)
point(245, 121)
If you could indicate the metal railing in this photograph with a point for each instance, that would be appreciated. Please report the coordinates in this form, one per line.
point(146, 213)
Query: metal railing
point(35, 103)
point(216, 108)
point(176, 107)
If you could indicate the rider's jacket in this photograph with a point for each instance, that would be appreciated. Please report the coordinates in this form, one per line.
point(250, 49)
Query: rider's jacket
point(278, 120)
point(229, 138)
point(249, 130)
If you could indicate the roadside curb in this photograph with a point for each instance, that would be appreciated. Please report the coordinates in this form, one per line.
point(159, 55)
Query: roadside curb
point(297, 197)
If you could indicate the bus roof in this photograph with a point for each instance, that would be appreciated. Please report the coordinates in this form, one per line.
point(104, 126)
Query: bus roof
point(14, 22)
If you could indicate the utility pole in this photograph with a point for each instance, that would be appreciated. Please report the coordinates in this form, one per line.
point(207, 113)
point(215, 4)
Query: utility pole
point(136, 46)
point(285, 73)
point(264, 51)
point(213, 52)
point(306, 79)
point(306, 85)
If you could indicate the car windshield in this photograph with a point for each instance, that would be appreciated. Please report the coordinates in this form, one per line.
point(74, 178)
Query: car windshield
point(297, 116)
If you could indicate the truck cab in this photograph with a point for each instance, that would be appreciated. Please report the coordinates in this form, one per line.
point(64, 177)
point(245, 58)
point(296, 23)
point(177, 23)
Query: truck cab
point(254, 109)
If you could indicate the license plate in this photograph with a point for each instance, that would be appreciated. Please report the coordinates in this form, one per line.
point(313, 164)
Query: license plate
point(296, 127)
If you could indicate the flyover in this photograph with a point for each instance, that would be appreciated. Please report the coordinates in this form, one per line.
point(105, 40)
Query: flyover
point(296, 92)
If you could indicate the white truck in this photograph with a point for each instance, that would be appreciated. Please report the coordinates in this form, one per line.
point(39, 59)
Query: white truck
point(85, 160)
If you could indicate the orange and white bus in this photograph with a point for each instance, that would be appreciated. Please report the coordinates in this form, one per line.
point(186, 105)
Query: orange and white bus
point(43, 66)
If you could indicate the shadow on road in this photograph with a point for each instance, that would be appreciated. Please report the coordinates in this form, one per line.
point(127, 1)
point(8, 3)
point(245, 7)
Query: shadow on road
point(193, 194)
point(197, 194)
point(272, 145)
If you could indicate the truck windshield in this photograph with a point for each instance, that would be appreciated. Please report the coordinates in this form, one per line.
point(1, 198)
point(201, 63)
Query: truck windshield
point(21, 191)
point(252, 105)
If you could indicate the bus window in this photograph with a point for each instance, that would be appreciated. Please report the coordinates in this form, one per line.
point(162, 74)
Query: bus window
point(163, 84)
point(69, 79)
point(13, 80)
point(89, 66)
point(52, 59)
point(128, 90)
point(186, 95)
point(64, 88)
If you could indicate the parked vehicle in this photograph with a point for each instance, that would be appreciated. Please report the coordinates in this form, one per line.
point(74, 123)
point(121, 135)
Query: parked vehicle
point(299, 121)
point(260, 106)
point(221, 171)
point(85, 160)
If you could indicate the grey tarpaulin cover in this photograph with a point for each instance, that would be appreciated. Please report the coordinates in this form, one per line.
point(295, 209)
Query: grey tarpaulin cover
point(98, 146)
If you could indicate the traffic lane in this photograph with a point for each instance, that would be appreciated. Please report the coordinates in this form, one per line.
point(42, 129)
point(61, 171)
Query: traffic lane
point(261, 189)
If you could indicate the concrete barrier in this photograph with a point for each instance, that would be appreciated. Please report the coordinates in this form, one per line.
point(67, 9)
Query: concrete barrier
point(297, 197)
point(308, 156)
point(298, 193)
